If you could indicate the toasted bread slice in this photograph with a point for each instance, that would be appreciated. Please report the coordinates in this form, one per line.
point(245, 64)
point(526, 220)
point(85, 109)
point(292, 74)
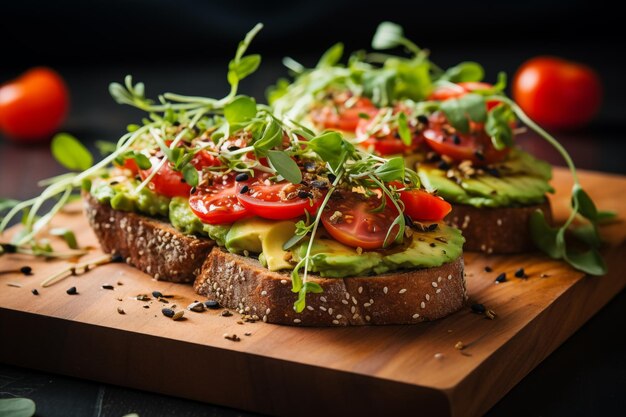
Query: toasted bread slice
point(151, 245)
point(412, 296)
point(501, 230)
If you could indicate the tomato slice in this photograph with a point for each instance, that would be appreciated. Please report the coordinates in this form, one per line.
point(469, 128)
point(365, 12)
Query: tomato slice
point(386, 141)
point(217, 203)
point(475, 146)
point(358, 224)
point(460, 89)
point(422, 206)
point(336, 115)
point(279, 201)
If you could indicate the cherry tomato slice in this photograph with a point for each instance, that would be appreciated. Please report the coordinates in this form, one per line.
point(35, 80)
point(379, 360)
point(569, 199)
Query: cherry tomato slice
point(166, 181)
point(336, 115)
point(386, 141)
point(357, 224)
point(279, 201)
point(422, 206)
point(217, 203)
point(460, 89)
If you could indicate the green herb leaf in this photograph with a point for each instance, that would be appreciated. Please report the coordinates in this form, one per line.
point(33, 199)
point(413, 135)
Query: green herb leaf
point(241, 109)
point(391, 170)
point(285, 166)
point(464, 72)
point(456, 115)
point(142, 160)
point(329, 147)
point(388, 35)
point(544, 236)
point(296, 279)
point(498, 126)
point(272, 137)
point(604, 215)
point(331, 56)
point(588, 233)
point(313, 287)
point(586, 207)
point(70, 153)
point(468, 107)
point(17, 407)
point(293, 241)
point(190, 174)
point(105, 147)
point(68, 236)
point(590, 262)
point(403, 129)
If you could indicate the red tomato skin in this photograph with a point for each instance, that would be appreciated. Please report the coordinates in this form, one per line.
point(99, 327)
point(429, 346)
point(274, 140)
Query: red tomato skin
point(557, 93)
point(422, 206)
point(166, 182)
point(33, 106)
point(270, 206)
point(337, 116)
point(218, 204)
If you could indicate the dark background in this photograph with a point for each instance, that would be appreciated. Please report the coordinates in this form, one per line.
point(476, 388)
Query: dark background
point(184, 46)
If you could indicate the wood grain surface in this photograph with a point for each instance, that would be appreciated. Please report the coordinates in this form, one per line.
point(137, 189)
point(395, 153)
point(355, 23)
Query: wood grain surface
point(389, 370)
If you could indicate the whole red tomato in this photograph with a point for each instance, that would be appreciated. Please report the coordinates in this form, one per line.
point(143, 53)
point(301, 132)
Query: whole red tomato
point(33, 106)
point(557, 93)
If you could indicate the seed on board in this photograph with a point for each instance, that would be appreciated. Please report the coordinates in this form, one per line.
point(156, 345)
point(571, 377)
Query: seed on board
point(520, 273)
point(107, 287)
point(117, 258)
point(146, 306)
point(490, 314)
point(120, 310)
point(488, 269)
point(168, 312)
point(34, 291)
point(212, 304)
point(157, 294)
point(72, 291)
point(226, 313)
point(26, 270)
point(501, 278)
point(178, 315)
point(142, 297)
point(478, 308)
point(438, 356)
point(248, 334)
point(544, 275)
point(197, 306)
point(459, 345)
point(232, 337)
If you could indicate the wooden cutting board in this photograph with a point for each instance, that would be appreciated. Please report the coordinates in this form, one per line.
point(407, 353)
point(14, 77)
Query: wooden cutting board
point(394, 370)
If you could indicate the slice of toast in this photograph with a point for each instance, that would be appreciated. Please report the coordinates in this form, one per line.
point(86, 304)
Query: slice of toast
point(501, 230)
point(411, 296)
point(153, 246)
point(243, 284)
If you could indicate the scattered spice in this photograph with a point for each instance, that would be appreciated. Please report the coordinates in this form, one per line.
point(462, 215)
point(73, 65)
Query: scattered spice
point(120, 310)
point(459, 345)
point(196, 306)
point(120, 283)
point(244, 189)
point(478, 308)
point(520, 273)
point(157, 294)
point(501, 278)
point(34, 291)
point(212, 304)
point(146, 306)
point(248, 334)
point(226, 313)
point(142, 297)
point(72, 291)
point(13, 284)
point(163, 300)
point(168, 312)
point(107, 287)
point(178, 315)
point(117, 258)
point(488, 269)
point(438, 356)
point(490, 314)
point(544, 275)
point(242, 177)
point(26, 270)
point(233, 337)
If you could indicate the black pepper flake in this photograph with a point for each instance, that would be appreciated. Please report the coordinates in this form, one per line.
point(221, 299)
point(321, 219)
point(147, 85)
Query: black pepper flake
point(304, 194)
point(34, 291)
point(501, 278)
point(444, 166)
point(107, 287)
point(332, 177)
point(193, 190)
point(183, 180)
point(310, 166)
point(432, 245)
point(242, 177)
point(479, 155)
point(478, 308)
point(422, 119)
point(226, 313)
point(117, 258)
point(233, 148)
point(456, 139)
point(157, 294)
point(319, 184)
point(408, 221)
point(433, 227)
point(72, 291)
point(520, 273)
point(493, 171)
point(212, 304)
point(114, 183)
point(244, 189)
point(167, 312)
point(26, 270)
point(488, 269)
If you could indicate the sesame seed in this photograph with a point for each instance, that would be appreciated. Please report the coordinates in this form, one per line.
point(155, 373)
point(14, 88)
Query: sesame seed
point(353, 309)
point(335, 321)
point(366, 305)
point(330, 311)
point(267, 311)
point(338, 316)
point(438, 290)
point(450, 276)
point(310, 308)
point(416, 316)
point(438, 356)
point(345, 302)
point(355, 316)
point(434, 284)
point(402, 291)
point(323, 308)
point(427, 297)
point(367, 318)
point(323, 299)
point(499, 222)
point(354, 300)
point(423, 304)
point(283, 281)
point(297, 321)
point(439, 279)
point(459, 345)
point(264, 319)
point(385, 290)
point(360, 290)
point(347, 296)
point(263, 293)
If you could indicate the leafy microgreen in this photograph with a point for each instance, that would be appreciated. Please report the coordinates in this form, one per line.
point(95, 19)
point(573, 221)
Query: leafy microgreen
point(241, 109)
point(67, 235)
point(391, 170)
point(460, 111)
point(285, 166)
point(464, 72)
point(391, 35)
point(190, 174)
point(403, 129)
point(142, 160)
point(70, 153)
point(331, 147)
point(331, 56)
point(241, 66)
point(272, 137)
point(498, 126)
point(17, 407)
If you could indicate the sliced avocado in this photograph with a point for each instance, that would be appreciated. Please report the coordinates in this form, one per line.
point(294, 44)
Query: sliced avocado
point(183, 219)
point(119, 195)
point(257, 235)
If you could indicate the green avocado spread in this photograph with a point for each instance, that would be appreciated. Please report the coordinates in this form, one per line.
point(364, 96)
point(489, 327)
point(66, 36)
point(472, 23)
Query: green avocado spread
point(521, 180)
point(265, 238)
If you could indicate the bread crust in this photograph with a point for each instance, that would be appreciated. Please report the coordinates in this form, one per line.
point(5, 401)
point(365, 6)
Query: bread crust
point(501, 230)
point(153, 246)
point(407, 297)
